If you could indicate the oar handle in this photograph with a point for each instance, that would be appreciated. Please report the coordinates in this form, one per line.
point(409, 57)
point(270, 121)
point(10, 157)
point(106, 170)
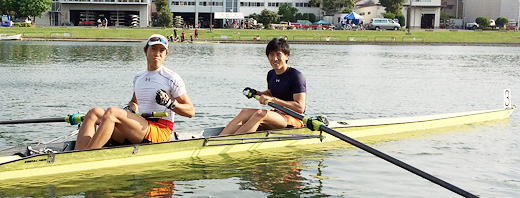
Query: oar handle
point(316, 125)
point(153, 114)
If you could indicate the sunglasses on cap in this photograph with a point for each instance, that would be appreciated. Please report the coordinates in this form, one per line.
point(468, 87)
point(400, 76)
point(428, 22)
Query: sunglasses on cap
point(155, 39)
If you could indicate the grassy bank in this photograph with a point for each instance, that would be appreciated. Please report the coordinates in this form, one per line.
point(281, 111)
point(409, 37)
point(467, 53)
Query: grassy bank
point(310, 35)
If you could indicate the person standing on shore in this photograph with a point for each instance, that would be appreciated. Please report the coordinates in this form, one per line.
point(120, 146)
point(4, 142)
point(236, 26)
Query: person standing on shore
point(286, 86)
point(105, 21)
point(156, 89)
point(196, 33)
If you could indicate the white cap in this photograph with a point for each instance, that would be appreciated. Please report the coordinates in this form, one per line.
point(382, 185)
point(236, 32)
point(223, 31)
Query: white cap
point(157, 39)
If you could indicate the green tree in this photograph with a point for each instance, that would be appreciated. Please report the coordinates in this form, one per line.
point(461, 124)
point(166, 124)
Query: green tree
point(332, 6)
point(347, 10)
point(482, 22)
point(267, 17)
point(392, 6)
point(288, 12)
point(446, 17)
point(25, 8)
point(388, 15)
point(402, 20)
point(501, 22)
point(399, 17)
point(34, 8)
point(312, 17)
point(161, 4)
point(9, 7)
point(254, 16)
point(305, 16)
point(164, 16)
point(299, 16)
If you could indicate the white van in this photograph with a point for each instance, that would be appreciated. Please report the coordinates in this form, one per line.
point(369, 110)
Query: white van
point(386, 24)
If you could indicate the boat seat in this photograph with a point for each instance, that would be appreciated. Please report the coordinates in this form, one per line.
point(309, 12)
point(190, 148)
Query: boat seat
point(193, 134)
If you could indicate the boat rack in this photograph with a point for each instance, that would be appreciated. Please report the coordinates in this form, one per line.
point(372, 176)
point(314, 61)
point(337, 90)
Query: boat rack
point(267, 138)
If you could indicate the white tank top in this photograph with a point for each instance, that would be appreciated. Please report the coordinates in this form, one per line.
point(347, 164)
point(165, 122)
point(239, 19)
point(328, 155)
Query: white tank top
point(146, 84)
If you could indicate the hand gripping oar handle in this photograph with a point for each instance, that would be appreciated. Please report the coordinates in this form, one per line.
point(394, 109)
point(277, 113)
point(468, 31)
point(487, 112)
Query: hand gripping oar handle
point(153, 114)
point(316, 125)
point(74, 119)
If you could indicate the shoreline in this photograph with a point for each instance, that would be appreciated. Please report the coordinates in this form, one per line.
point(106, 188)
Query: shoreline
point(201, 41)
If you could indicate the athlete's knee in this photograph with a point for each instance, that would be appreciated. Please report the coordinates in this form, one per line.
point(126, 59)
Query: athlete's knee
point(247, 111)
point(260, 113)
point(95, 113)
point(111, 113)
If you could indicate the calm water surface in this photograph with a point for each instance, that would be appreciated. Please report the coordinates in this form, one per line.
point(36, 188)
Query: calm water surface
point(53, 79)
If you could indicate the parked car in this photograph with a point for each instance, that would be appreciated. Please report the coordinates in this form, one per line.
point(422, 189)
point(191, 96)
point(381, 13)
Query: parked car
point(471, 26)
point(6, 21)
point(386, 24)
point(23, 22)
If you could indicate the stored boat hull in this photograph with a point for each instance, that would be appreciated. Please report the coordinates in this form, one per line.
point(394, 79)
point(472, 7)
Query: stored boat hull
point(205, 143)
point(11, 37)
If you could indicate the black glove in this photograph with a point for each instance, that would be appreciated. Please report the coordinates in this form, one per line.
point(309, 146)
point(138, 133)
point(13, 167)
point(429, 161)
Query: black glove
point(249, 92)
point(163, 99)
point(128, 109)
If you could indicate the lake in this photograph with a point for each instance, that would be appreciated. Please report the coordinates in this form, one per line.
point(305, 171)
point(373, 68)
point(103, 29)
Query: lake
point(54, 79)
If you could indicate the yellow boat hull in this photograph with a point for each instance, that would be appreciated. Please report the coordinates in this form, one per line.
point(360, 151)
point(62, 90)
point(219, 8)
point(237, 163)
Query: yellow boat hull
point(371, 129)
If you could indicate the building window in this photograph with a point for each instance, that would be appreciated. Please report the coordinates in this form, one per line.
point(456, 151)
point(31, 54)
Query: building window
point(302, 5)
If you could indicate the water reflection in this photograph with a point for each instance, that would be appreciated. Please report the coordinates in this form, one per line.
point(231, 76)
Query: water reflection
point(260, 172)
point(41, 53)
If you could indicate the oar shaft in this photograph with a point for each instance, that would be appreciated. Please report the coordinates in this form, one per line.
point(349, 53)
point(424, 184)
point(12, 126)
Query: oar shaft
point(74, 118)
point(375, 152)
point(33, 121)
point(397, 162)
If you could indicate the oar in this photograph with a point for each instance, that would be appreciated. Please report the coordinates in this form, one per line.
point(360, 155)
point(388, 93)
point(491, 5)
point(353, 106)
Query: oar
point(73, 119)
point(316, 125)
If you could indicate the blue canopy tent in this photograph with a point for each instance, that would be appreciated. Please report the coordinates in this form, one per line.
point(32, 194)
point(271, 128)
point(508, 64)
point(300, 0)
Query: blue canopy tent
point(353, 18)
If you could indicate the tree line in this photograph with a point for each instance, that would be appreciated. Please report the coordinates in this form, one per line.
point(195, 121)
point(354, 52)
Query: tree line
point(24, 8)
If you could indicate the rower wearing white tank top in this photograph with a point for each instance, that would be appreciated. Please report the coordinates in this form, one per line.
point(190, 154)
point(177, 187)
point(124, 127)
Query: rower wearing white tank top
point(156, 89)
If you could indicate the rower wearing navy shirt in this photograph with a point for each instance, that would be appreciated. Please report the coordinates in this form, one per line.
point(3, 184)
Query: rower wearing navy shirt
point(286, 86)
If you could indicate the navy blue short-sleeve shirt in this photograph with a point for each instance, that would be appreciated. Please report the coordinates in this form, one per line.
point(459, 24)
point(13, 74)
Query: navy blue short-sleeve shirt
point(285, 85)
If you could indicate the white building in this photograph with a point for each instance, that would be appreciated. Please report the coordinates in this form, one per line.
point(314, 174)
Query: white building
point(424, 14)
point(202, 11)
point(491, 9)
point(87, 12)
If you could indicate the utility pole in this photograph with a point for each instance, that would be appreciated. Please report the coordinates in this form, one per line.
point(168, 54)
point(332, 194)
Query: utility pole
point(457, 9)
point(211, 17)
point(409, 17)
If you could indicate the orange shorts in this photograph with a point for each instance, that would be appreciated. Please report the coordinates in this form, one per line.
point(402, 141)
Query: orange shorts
point(159, 130)
point(293, 121)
